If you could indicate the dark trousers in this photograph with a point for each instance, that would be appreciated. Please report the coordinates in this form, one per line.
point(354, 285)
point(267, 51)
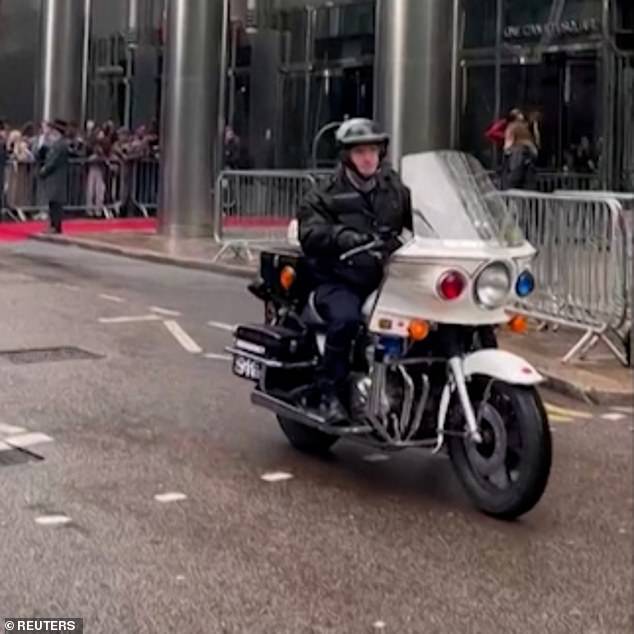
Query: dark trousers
point(56, 215)
point(340, 306)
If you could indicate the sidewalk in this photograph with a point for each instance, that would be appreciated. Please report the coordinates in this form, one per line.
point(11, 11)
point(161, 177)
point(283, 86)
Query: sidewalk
point(599, 379)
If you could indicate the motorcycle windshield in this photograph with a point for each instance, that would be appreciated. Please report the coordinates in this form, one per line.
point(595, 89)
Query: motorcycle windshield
point(454, 199)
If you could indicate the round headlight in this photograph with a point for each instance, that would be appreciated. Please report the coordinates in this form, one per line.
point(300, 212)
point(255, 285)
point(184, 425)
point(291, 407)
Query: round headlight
point(493, 286)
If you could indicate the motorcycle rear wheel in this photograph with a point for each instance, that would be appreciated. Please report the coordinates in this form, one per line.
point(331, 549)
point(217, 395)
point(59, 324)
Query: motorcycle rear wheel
point(507, 474)
point(306, 439)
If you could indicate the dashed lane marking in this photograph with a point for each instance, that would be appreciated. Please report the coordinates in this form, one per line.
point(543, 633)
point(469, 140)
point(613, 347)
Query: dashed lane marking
point(182, 337)
point(276, 476)
point(614, 417)
point(10, 430)
point(53, 520)
point(128, 320)
point(218, 357)
point(22, 441)
point(173, 496)
point(164, 311)
point(219, 325)
point(112, 298)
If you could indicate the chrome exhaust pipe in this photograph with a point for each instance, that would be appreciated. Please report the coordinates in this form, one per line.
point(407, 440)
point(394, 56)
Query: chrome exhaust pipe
point(298, 415)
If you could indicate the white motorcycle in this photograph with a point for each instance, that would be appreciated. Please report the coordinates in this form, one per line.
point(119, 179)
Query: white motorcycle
point(426, 371)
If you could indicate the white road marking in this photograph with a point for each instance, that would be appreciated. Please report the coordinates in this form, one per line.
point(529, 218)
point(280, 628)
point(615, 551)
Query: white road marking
point(218, 357)
point(10, 430)
point(69, 287)
point(128, 320)
point(182, 337)
point(164, 311)
point(276, 476)
point(180, 577)
point(376, 457)
point(165, 498)
point(53, 520)
point(5, 447)
point(112, 298)
point(624, 410)
point(22, 441)
point(219, 325)
point(379, 625)
point(614, 416)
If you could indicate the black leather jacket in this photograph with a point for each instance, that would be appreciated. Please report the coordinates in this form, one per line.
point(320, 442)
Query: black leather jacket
point(337, 206)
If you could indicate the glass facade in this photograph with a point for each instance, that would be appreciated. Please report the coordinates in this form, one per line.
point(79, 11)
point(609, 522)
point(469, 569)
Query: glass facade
point(294, 69)
point(564, 61)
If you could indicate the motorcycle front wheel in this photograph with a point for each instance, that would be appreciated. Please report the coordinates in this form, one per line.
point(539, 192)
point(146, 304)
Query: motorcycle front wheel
point(505, 475)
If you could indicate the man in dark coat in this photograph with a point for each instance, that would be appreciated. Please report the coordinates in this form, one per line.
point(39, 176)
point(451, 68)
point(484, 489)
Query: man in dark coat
point(54, 175)
point(363, 199)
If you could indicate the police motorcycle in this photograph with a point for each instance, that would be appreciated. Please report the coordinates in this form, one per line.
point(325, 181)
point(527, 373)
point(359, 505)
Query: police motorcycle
point(426, 371)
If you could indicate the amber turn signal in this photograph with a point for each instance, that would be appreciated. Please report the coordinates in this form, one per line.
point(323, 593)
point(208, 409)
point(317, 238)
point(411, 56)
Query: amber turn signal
point(418, 329)
point(518, 324)
point(287, 277)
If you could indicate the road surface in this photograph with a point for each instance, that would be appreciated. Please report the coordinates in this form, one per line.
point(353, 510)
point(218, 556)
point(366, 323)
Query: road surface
point(133, 492)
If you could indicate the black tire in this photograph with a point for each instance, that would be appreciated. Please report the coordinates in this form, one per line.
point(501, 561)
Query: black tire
point(527, 448)
point(306, 439)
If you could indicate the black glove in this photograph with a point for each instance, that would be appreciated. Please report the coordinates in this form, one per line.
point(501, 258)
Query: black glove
point(350, 239)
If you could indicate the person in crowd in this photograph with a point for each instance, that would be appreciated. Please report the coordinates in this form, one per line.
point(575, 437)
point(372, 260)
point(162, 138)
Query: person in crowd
point(519, 161)
point(97, 174)
point(585, 162)
point(499, 131)
point(4, 158)
point(19, 186)
point(534, 119)
point(54, 174)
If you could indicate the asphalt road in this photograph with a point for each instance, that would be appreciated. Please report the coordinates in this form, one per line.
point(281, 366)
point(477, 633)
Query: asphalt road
point(344, 546)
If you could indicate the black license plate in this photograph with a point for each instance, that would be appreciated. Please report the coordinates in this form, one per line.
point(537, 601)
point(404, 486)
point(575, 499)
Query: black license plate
point(247, 368)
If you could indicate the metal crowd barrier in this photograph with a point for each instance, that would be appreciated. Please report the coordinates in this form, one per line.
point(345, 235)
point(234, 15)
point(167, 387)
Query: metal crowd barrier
point(548, 182)
point(583, 266)
point(144, 186)
point(93, 188)
point(252, 206)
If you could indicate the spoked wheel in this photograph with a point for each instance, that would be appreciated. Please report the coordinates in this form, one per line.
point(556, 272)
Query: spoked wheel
point(306, 439)
point(507, 473)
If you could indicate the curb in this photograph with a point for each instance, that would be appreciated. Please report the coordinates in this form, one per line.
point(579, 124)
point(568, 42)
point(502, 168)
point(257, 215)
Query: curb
point(243, 272)
point(553, 381)
point(590, 396)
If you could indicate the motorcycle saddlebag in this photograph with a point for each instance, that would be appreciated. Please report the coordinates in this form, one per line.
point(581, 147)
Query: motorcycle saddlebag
point(274, 343)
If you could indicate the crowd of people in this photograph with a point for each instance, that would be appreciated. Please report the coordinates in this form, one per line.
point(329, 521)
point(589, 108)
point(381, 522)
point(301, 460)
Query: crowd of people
point(106, 150)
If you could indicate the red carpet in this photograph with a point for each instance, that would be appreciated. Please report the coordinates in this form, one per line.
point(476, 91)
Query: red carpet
point(18, 231)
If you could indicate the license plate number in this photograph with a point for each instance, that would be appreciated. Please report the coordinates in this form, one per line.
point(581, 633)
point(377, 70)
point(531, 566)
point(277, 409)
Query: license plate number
point(247, 368)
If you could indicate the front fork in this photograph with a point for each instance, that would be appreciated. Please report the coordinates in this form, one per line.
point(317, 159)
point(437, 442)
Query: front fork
point(457, 382)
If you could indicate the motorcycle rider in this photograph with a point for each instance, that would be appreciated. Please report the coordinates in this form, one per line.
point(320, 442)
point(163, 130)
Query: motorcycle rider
point(365, 197)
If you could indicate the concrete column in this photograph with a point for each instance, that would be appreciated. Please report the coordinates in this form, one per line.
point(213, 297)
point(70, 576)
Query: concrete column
point(190, 115)
point(414, 74)
point(62, 59)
